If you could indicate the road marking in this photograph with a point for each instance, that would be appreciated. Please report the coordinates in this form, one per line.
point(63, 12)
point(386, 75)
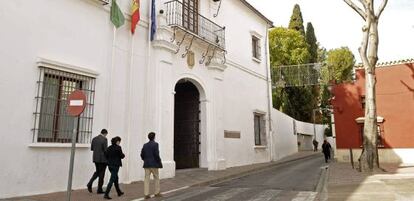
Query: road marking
point(190, 194)
point(305, 196)
point(227, 194)
point(266, 195)
point(166, 192)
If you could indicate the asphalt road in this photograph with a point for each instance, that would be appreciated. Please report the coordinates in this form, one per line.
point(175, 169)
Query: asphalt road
point(295, 181)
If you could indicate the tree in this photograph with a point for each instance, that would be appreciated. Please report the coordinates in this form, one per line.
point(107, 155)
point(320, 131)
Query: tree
point(289, 47)
point(313, 51)
point(321, 53)
point(339, 65)
point(369, 56)
point(296, 20)
point(312, 42)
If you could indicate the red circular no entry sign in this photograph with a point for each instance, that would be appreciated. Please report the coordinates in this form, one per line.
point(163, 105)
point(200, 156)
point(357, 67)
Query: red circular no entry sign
point(76, 103)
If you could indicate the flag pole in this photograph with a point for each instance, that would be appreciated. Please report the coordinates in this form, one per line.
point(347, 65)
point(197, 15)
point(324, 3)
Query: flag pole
point(129, 101)
point(109, 93)
point(147, 99)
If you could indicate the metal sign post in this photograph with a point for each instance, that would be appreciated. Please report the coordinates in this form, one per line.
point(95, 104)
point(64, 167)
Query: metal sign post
point(76, 104)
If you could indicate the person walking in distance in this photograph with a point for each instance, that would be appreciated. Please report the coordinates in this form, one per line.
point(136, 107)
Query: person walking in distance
point(326, 149)
point(151, 156)
point(114, 156)
point(315, 145)
point(99, 145)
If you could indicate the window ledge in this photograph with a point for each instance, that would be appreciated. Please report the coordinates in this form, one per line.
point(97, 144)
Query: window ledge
point(257, 60)
point(57, 145)
point(260, 147)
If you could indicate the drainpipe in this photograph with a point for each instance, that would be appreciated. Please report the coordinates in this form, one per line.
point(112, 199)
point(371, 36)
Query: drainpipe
point(269, 92)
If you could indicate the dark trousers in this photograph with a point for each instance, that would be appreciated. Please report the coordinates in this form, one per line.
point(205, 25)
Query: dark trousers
point(100, 172)
point(327, 156)
point(113, 180)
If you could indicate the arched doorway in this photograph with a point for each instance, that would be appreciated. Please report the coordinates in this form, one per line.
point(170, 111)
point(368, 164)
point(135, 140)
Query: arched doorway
point(186, 125)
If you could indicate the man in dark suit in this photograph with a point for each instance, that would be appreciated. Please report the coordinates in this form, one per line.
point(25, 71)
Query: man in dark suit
point(150, 154)
point(98, 146)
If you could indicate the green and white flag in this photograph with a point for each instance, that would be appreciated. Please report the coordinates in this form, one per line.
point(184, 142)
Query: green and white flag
point(117, 17)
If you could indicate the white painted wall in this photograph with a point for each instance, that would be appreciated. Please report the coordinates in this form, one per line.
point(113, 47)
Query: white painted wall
point(74, 32)
point(134, 90)
point(285, 140)
point(134, 94)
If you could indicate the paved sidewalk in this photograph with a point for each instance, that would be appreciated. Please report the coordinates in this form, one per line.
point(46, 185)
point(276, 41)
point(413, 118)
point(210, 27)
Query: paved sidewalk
point(396, 182)
point(183, 179)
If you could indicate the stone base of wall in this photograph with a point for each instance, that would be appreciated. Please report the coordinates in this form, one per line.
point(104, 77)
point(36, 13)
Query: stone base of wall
point(385, 155)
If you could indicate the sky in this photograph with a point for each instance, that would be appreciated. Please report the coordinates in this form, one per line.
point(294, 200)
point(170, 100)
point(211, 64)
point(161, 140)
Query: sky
point(337, 25)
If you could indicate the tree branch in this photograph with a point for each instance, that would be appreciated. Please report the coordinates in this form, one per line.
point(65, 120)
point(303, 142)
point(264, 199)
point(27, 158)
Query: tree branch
point(356, 8)
point(364, 44)
point(381, 8)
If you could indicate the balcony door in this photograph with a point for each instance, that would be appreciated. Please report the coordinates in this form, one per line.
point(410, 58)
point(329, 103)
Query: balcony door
point(190, 15)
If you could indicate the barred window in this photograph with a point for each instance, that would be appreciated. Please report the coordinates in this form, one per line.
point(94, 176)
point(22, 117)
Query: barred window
point(52, 123)
point(259, 129)
point(256, 48)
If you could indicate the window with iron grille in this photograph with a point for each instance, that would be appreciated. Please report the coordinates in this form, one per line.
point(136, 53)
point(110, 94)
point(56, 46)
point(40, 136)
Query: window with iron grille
point(190, 15)
point(259, 129)
point(256, 49)
point(52, 123)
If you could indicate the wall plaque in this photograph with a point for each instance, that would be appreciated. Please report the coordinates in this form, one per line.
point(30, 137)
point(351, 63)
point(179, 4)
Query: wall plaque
point(232, 134)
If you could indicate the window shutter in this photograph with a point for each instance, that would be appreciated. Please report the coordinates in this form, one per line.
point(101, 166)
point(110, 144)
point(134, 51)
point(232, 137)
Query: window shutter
point(259, 49)
point(253, 46)
point(263, 130)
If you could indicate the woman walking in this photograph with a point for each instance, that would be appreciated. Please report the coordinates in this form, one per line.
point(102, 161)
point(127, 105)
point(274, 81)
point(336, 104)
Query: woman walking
point(114, 155)
point(326, 149)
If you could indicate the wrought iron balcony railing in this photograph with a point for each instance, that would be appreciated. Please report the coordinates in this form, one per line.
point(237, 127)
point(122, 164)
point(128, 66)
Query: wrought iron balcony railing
point(183, 17)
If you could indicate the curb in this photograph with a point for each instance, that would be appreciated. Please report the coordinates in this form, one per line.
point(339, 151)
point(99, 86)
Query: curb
point(322, 188)
point(247, 172)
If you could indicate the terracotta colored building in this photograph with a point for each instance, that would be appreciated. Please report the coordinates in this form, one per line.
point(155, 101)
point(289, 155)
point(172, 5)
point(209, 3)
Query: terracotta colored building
point(395, 111)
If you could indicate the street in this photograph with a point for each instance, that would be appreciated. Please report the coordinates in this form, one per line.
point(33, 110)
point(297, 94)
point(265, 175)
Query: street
point(296, 180)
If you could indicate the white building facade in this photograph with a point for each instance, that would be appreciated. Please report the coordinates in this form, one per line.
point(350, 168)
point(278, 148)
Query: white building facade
point(202, 85)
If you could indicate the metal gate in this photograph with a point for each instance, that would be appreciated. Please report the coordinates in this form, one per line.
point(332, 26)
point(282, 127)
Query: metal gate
point(186, 126)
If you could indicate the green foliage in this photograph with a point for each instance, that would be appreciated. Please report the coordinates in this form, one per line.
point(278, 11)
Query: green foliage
point(324, 103)
point(339, 65)
point(328, 131)
point(312, 43)
point(296, 20)
point(321, 54)
point(287, 47)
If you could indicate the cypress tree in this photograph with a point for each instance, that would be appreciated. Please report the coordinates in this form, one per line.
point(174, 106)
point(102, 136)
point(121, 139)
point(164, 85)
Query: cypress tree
point(296, 20)
point(312, 42)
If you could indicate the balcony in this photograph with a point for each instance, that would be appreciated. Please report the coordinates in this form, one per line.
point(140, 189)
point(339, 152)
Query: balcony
point(181, 16)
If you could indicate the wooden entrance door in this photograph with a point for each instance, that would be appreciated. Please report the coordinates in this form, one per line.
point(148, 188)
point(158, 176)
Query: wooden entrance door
point(186, 126)
point(190, 15)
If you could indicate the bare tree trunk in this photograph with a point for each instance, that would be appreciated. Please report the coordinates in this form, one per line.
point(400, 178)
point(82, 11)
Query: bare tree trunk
point(368, 52)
